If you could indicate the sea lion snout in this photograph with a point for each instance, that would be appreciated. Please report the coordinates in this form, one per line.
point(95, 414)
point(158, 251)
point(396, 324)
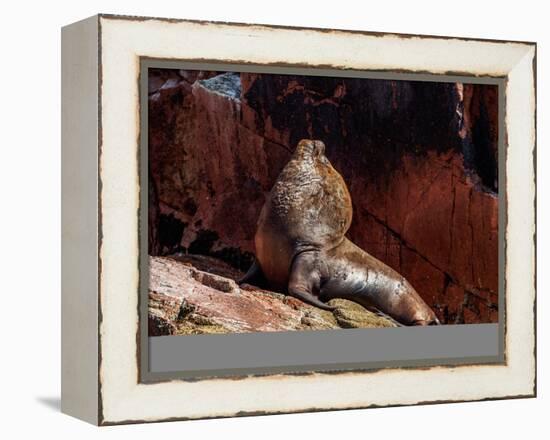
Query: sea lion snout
point(310, 148)
point(319, 148)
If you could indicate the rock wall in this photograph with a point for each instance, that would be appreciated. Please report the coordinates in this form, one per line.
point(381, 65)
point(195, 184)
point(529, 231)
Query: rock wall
point(420, 160)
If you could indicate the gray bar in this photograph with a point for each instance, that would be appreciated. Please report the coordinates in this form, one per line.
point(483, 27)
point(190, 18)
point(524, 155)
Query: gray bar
point(318, 71)
point(246, 353)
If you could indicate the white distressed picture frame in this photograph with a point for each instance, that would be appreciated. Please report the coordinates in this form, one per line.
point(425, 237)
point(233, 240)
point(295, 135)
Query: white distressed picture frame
point(100, 205)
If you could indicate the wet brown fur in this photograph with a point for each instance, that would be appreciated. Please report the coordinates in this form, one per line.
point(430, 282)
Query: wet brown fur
point(301, 245)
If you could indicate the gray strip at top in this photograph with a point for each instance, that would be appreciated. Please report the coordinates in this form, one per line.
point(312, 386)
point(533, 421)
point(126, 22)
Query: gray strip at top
point(200, 355)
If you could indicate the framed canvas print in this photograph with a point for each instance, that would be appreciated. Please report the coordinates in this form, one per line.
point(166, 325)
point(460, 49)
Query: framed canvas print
point(262, 220)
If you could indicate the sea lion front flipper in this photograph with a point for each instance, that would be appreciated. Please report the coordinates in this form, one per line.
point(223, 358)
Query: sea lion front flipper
point(304, 279)
point(254, 274)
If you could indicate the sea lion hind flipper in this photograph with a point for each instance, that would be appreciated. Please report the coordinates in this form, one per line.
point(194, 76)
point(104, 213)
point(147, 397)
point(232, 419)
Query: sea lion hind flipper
point(304, 279)
point(378, 312)
point(254, 274)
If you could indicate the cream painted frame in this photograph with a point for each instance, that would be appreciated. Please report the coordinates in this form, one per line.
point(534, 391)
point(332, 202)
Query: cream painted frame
point(100, 135)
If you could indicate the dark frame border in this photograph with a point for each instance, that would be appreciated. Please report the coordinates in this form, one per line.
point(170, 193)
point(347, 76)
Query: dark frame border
point(146, 376)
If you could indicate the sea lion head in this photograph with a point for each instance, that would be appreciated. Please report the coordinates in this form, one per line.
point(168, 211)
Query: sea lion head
point(310, 149)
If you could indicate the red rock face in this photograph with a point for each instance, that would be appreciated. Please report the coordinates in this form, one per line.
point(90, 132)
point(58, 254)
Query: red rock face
point(210, 172)
point(420, 160)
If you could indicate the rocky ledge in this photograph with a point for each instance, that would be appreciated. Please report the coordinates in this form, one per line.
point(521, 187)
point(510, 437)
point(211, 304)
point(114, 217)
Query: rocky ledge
point(194, 294)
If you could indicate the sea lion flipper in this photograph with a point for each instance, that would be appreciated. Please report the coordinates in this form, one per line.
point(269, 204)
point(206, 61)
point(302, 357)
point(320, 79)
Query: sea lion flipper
point(253, 274)
point(304, 279)
point(310, 299)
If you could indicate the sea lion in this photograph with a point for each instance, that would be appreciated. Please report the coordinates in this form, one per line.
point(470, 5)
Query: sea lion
point(301, 245)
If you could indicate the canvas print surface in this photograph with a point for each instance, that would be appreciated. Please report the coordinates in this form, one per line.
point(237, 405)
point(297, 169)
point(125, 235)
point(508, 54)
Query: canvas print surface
point(287, 202)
